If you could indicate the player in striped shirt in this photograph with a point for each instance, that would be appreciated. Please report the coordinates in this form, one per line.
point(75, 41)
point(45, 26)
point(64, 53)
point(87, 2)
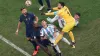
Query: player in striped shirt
point(51, 33)
point(48, 31)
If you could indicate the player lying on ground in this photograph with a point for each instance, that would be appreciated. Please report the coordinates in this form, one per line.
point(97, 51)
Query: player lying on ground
point(49, 32)
point(61, 22)
point(77, 17)
point(65, 14)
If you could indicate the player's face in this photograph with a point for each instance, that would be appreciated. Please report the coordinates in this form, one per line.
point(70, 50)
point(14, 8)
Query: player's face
point(76, 16)
point(24, 11)
point(59, 6)
point(44, 23)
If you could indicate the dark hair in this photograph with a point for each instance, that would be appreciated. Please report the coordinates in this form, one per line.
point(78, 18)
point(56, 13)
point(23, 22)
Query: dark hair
point(78, 14)
point(62, 4)
point(22, 9)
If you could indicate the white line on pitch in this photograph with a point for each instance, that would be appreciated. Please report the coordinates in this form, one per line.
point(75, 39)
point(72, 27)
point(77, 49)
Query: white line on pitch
point(14, 46)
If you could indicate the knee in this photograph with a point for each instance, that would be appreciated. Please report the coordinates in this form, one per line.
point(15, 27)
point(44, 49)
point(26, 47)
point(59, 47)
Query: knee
point(70, 32)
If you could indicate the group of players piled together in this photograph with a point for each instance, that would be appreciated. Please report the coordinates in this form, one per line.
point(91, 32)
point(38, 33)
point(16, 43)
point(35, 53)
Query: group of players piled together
point(47, 34)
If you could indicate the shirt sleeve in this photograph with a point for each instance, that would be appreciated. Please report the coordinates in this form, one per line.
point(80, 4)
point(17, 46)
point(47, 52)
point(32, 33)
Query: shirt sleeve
point(33, 15)
point(51, 13)
point(21, 19)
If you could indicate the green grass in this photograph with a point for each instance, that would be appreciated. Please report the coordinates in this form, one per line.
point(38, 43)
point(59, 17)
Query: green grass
point(87, 34)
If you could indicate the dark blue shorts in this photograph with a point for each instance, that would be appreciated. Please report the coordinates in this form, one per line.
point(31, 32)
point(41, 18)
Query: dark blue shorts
point(46, 42)
point(29, 33)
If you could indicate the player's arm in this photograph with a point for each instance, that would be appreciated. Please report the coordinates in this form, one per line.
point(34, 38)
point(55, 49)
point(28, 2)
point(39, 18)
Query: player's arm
point(55, 8)
point(36, 19)
point(52, 13)
point(18, 27)
point(19, 24)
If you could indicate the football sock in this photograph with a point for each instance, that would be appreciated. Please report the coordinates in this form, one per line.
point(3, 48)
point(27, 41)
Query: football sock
point(34, 44)
point(54, 49)
point(40, 2)
point(57, 48)
point(71, 36)
point(65, 40)
point(59, 37)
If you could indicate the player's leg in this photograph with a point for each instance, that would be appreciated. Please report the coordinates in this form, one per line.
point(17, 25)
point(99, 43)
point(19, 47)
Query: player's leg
point(28, 35)
point(58, 50)
point(55, 48)
point(36, 46)
point(68, 29)
point(48, 4)
point(41, 3)
point(44, 45)
point(46, 50)
point(71, 36)
point(59, 37)
point(64, 39)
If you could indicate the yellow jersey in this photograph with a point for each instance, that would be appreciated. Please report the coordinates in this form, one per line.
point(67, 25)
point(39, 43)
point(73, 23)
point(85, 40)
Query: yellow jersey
point(66, 15)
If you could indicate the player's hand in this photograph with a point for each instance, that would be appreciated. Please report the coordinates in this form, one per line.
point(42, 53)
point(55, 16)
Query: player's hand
point(16, 32)
point(42, 13)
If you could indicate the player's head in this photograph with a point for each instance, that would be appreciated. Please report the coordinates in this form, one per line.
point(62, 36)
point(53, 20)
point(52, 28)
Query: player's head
point(77, 15)
point(61, 5)
point(43, 23)
point(23, 10)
